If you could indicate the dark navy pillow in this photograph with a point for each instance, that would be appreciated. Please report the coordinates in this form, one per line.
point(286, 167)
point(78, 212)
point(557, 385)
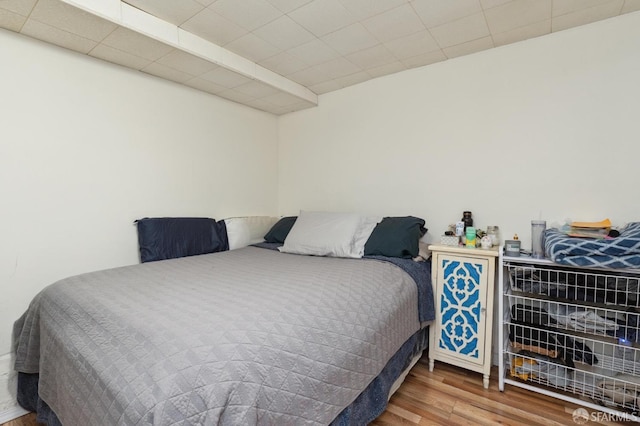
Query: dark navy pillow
point(278, 232)
point(396, 237)
point(171, 237)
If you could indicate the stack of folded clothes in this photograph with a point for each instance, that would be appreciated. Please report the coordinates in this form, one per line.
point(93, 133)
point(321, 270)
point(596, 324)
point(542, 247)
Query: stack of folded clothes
point(580, 319)
point(572, 284)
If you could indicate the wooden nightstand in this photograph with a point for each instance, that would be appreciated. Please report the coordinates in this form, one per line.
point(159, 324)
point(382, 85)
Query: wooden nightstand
point(463, 285)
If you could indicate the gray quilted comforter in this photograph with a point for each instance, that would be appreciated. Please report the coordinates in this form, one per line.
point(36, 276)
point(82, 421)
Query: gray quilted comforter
point(249, 336)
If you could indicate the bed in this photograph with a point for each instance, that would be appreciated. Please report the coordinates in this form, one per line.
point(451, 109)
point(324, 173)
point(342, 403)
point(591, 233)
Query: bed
point(247, 336)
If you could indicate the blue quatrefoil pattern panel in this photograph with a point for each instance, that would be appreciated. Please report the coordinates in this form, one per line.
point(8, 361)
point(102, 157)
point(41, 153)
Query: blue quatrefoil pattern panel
point(460, 307)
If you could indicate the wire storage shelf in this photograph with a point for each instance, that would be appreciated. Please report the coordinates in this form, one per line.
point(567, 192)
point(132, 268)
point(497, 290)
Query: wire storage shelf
point(606, 321)
point(610, 287)
point(620, 391)
point(573, 332)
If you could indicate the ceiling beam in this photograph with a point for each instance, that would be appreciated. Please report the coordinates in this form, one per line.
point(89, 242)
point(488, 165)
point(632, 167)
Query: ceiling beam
point(127, 16)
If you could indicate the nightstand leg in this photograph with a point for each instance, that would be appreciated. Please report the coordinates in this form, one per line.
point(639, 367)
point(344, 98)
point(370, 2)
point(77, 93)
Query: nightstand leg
point(431, 364)
point(485, 381)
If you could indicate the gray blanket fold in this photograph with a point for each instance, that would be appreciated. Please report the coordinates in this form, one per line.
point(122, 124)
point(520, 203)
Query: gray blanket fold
point(249, 336)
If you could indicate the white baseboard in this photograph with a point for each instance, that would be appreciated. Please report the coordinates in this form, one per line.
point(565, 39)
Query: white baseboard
point(9, 408)
point(12, 413)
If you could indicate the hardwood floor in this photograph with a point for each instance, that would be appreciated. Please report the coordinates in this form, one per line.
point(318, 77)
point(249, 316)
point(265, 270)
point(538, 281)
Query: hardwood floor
point(452, 396)
point(28, 420)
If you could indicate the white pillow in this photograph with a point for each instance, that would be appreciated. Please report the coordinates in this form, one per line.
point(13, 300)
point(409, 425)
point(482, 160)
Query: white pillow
point(243, 231)
point(330, 234)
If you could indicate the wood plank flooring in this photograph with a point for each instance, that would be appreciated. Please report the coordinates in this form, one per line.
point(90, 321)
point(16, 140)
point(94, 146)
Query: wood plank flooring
point(453, 396)
point(28, 420)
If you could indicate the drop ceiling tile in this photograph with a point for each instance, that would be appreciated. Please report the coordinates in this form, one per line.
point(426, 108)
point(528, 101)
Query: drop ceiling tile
point(284, 64)
point(206, 2)
point(562, 7)
point(372, 57)
point(461, 31)
point(235, 96)
point(72, 20)
point(287, 6)
point(11, 21)
point(314, 52)
point(185, 62)
point(225, 77)
point(395, 23)
point(338, 67)
point(630, 6)
point(136, 44)
point(469, 47)
point(166, 72)
point(351, 79)
point(21, 7)
point(425, 59)
point(284, 33)
point(175, 12)
point(412, 45)
point(53, 35)
point(586, 16)
point(363, 9)
point(300, 106)
point(323, 17)
point(119, 57)
point(390, 68)
point(256, 89)
point(249, 14)
point(213, 27)
point(282, 99)
point(277, 110)
point(436, 13)
point(261, 105)
point(326, 87)
point(488, 4)
point(285, 110)
point(309, 77)
point(205, 85)
point(522, 33)
point(350, 39)
point(253, 48)
point(516, 14)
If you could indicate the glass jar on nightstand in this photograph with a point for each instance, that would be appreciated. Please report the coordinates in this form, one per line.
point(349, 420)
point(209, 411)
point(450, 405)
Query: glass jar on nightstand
point(494, 233)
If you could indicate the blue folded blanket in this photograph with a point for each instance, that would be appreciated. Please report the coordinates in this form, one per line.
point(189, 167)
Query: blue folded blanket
point(619, 252)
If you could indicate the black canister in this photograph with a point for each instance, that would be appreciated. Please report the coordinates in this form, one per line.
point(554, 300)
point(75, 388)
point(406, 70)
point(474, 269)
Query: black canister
point(467, 219)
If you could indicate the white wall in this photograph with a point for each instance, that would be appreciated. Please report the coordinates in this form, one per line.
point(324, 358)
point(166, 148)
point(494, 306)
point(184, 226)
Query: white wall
point(544, 128)
point(86, 147)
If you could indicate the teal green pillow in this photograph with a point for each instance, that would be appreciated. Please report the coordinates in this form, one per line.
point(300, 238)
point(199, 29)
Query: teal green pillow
point(278, 232)
point(396, 237)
